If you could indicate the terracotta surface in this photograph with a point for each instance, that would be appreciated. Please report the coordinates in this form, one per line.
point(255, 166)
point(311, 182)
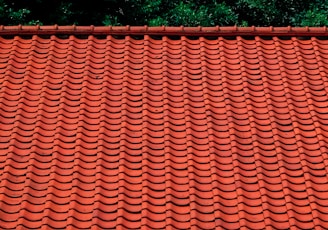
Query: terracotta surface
point(163, 132)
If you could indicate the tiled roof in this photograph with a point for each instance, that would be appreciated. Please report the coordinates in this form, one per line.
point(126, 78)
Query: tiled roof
point(158, 132)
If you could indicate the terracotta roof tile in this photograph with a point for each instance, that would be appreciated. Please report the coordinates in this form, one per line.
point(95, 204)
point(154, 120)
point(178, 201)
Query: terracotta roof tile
point(214, 131)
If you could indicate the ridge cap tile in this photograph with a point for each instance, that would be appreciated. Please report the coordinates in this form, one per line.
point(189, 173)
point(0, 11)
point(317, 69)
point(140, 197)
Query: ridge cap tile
point(163, 30)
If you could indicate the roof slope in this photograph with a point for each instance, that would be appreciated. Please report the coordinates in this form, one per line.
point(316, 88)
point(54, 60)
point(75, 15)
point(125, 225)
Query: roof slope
point(163, 133)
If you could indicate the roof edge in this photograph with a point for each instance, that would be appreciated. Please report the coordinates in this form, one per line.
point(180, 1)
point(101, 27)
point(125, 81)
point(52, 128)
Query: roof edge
point(163, 30)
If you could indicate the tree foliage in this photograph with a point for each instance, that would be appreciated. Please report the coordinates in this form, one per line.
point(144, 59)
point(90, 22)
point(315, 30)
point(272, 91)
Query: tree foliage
point(166, 12)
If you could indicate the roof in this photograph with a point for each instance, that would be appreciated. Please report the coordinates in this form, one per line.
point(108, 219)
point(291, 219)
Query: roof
point(158, 132)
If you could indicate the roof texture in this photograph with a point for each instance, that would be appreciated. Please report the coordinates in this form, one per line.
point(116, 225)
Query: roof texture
point(159, 132)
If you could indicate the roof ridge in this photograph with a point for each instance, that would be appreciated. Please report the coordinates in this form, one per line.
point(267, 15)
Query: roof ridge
point(163, 30)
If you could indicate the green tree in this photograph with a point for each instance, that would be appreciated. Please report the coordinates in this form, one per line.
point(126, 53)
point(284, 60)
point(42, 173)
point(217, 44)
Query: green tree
point(190, 14)
point(315, 15)
point(10, 15)
point(166, 12)
point(269, 12)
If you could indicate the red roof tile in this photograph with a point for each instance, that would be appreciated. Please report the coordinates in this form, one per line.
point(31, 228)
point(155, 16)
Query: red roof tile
point(154, 132)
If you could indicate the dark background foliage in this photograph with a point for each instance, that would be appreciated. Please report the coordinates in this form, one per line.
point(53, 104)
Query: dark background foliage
point(165, 12)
